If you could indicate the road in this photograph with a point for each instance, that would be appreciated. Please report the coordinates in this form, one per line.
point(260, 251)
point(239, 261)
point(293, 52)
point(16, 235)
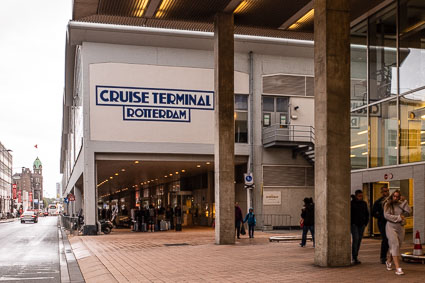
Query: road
point(29, 252)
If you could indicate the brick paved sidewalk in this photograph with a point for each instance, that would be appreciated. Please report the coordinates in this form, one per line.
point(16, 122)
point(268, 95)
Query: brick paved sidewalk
point(192, 256)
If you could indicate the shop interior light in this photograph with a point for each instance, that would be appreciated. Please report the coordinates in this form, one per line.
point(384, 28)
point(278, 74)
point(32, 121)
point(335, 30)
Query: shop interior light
point(352, 155)
point(362, 132)
point(241, 7)
point(165, 176)
point(183, 171)
point(423, 142)
point(365, 153)
point(302, 21)
point(136, 162)
point(111, 177)
point(140, 9)
point(423, 117)
point(123, 170)
point(358, 145)
point(162, 8)
point(177, 172)
point(198, 166)
point(116, 174)
point(171, 174)
point(208, 163)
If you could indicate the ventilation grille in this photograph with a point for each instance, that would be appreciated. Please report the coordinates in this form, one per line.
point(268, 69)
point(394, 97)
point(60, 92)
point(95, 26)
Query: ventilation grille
point(288, 85)
point(285, 176)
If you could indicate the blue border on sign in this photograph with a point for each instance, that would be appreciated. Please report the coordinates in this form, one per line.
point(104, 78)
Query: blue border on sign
point(155, 120)
point(142, 105)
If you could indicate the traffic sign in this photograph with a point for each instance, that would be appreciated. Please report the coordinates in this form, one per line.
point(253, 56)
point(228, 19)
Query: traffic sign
point(71, 197)
point(249, 180)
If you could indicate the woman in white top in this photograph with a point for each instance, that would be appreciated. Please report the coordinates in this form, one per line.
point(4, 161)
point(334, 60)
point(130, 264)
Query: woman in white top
point(396, 209)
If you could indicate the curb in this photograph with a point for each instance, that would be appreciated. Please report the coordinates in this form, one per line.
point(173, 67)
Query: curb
point(69, 268)
point(9, 220)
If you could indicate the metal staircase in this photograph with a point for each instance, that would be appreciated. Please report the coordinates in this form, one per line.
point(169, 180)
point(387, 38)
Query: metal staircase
point(298, 137)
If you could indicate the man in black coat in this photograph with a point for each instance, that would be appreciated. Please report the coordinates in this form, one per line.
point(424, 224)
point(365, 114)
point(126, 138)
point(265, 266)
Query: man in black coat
point(378, 213)
point(238, 219)
point(359, 220)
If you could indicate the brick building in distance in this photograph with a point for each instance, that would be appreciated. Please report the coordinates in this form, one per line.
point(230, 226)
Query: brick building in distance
point(29, 187)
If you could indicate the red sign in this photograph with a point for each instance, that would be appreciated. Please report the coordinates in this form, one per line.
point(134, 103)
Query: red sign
point(19, 196)
point(30, 197)
point(14, 187)
point(71, 197)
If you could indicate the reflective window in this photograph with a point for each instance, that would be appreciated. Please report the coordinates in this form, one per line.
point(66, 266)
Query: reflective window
point(358, 47)
point(241, 127)
point(268, 103)
point(241, 102)
point(282, 104)
point(412, 129)
point(383, 55)
point(383, 133)
point(359, 142)
point(412, 49)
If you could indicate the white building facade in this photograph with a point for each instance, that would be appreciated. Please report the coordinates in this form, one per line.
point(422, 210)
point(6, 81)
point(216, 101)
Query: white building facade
point(138, 124)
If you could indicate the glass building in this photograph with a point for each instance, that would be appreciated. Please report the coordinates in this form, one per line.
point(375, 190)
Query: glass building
point(388, 102)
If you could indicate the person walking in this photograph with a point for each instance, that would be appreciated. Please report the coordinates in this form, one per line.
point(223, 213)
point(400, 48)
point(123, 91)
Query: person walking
point(359, 220)
point(378, 213)
point(396, 209)
point(238, 219)
point(250, 218)
point(307, 216)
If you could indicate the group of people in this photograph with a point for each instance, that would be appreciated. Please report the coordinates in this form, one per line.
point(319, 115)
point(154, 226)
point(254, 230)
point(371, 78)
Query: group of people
point(391, 211)
point(151, 217)
point(240, 220)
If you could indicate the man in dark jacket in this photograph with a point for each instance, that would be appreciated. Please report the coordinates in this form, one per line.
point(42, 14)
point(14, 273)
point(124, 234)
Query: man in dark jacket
point(378, 213)
point(238, 219)
point(359, 220)
point(307, 216)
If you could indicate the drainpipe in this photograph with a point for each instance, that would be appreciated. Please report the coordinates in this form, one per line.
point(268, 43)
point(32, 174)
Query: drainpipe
point(250, 166)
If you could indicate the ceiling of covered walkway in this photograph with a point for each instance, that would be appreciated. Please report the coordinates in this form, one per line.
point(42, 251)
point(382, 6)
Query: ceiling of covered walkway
point(273, 18)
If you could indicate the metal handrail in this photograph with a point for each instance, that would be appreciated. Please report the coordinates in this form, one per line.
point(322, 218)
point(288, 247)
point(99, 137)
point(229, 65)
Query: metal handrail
point(70, 223)
point(288, 133)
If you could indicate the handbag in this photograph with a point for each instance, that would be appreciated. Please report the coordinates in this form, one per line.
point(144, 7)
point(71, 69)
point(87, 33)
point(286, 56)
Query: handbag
point(302, 223)
point(243, 231)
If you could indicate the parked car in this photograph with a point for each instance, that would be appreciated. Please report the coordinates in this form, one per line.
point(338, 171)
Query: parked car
point(30, 216)
point(46, 213)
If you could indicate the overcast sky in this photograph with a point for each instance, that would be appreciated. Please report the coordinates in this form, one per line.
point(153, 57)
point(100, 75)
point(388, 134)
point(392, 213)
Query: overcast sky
point(32, 48)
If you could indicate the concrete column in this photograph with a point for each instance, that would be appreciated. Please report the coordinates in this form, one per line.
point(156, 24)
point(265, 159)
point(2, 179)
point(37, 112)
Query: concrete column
point(78, 199)
point(224, 146)
point(332, 129)
point(90, 200)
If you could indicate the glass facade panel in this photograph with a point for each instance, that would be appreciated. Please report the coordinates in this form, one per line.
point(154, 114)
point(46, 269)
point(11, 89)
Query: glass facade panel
point(383, 55)
point(383, 133)
point(412, 49)
point(359, 129)
point(358, 49)
point(412, 130)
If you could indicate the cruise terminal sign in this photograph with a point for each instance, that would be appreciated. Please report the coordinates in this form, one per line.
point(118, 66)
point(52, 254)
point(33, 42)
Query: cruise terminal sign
point(155, 104)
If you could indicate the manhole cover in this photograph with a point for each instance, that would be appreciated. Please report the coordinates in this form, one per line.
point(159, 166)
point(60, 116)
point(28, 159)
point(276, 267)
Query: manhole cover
point(177, 244)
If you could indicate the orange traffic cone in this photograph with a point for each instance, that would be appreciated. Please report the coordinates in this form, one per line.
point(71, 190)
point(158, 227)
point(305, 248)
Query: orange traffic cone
point(417, 248)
